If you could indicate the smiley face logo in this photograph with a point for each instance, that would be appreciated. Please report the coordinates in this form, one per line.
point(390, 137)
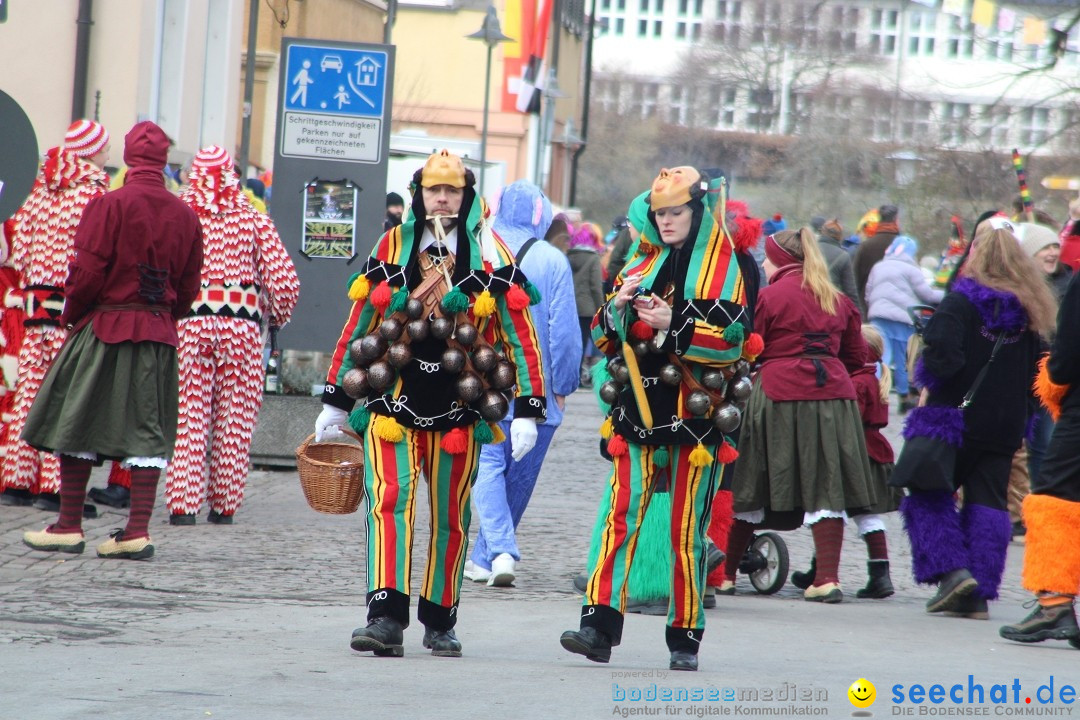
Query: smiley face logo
point(862, 693)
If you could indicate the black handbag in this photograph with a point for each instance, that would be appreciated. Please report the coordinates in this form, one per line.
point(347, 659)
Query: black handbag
point(928, 463)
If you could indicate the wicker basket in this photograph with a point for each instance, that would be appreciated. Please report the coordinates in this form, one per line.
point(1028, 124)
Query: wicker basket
point(331, 474)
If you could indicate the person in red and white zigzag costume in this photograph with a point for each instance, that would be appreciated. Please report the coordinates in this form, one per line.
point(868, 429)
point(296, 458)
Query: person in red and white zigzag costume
point(44, 232)
point(11, 331)
point(246, 274)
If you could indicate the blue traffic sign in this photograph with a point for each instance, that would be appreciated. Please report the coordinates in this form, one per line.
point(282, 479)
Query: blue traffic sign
point(335, 81)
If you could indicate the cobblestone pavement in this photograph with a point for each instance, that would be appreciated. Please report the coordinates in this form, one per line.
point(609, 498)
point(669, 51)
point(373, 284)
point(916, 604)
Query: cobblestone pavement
point(283, 569)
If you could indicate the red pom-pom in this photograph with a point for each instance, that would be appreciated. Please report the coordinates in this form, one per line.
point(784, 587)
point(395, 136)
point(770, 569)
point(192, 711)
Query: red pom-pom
point(517, 298)
point(455, 442)
point(617, 446)
point(640, 330)
point(380, 296)
point(753, 345)
point(777, 216)
point(727, 453)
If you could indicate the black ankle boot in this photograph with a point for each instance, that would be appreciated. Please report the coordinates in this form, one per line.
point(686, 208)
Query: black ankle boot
point(442, 643)
point(112, 495)
point(682, 660)
point(17, 497)
point(880, 584)
point(383, 636)
point(952, 588)
point(590, 642)
point(803, 580)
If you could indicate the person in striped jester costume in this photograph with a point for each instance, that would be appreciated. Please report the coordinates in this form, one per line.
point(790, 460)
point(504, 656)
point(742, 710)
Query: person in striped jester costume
point(246, 273)
point(674, 332)
point(439, 333)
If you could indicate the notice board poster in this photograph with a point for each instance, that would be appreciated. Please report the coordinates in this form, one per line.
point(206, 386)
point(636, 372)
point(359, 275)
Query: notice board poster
point(330, 219)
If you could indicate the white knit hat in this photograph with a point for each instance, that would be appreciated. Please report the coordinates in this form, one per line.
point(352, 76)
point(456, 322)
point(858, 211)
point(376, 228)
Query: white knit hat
point(86, 138)
point(1034, 238)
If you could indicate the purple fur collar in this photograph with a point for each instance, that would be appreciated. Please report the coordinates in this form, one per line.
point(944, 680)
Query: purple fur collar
point(1000, 311)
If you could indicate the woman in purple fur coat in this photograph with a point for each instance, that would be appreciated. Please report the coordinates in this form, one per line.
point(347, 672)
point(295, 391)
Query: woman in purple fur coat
point(999, 291)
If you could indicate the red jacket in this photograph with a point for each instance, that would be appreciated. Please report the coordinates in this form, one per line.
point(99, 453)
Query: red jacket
point(808, 353)
point(874, 412)
point(138, 245)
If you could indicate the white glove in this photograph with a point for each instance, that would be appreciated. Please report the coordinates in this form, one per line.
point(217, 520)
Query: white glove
point(522, 437)
point(330, 422)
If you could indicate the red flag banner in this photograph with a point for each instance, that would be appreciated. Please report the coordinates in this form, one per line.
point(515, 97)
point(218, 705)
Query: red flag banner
point(524, 75)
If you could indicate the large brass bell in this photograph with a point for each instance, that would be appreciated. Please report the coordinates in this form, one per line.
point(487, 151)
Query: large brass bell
point(469, 386)
point(670, 375)
point(356, 353)
point(640, 347)
point(442, 327)
point(380, 376)
point(390, 329)
point(414, 309)
point(466, 334)
point(740, 390)
point(726, 418)
point(742, 369)
point(609, 392)
point(620, 372)
point(654, 344)
point(400, 355)
point(356, 383)
point(484, 358)
point(372, 347)
point(493, 406)
point(714, 380)
point(417, 330)
point(698, 403)
point(503, 376)
point(453, 360)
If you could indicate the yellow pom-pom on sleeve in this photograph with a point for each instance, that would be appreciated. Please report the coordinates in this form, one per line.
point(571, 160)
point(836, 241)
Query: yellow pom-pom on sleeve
point(359, 289)
point(700, 457)
point(484, 305)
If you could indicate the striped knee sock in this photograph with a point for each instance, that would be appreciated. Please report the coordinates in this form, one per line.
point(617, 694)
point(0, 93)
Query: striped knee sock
point(74, 475)
point(144, 482)
point(876, 546)
point(828, 537)
point(738, 540)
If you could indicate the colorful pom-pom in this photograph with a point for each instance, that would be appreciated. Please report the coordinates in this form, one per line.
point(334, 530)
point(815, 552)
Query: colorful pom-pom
point(617, 446)
point(359, 287)
point(753, 346)
point(483, 434)
point(380, 296)
point(661, 457)
point(455, 442)
point(733, 333)
point(359, 419)
point(388, 429)
point(640, 330)
point(607, 428)
point(534, 293)
point(455, 302)
point(516, 298)
point(484, 305)
point(700, 457)
point(727, 454)
point(398, 301)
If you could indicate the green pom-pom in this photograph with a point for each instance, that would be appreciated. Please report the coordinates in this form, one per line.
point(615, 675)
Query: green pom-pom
point(359, 419)
point(482, 434)
point(533, 292)
point(352, 279)
point(661, 458)
point(455, 302)
point(398, 301)
point(733, 333)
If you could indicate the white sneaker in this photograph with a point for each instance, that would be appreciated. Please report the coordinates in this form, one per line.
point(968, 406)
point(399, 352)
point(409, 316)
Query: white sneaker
point(474, 573)
point(502, 571)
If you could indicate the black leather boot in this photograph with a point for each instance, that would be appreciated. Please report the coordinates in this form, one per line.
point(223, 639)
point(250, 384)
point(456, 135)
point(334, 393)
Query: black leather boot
point(880, 584)
point(112, 495)
point(1057, 622)
point(682, 660)
point(442, 643)
point(383, 636)
point(590, 642)
point(952, 588)
point(803, 580)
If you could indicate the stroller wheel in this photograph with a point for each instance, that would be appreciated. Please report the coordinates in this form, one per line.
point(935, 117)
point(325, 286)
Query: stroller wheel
point(766, 563)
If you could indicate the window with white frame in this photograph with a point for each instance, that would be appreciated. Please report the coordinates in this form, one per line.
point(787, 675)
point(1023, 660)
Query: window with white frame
point(717, 107)
point(843, 27)
point(761, 110)
point(914, 120)
point(644, 98)
point(884, 28)
point(678, 108)
point(606, 94)
point(1034, 124)
point(765, 29)
point(955, 123)
point(877, 119)
point(961, 38)
point(612, 15)
point(1000, 44)
point(728, 22)
point(993, 126)
point(804, 24)
point(688, 24)
point(922, 32)
point(801, 112)
point(837, 111)
point(650, 18)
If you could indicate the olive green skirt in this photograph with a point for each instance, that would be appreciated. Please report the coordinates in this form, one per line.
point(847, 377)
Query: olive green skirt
point(118, 400)
point(888, 498)
point(806, 455)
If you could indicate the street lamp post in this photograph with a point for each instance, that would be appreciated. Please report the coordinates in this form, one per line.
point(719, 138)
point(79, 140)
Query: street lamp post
point(491, 34)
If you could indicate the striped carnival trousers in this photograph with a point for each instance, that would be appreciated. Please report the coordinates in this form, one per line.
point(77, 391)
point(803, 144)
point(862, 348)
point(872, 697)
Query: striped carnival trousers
point(631, 487)
point(391, 478)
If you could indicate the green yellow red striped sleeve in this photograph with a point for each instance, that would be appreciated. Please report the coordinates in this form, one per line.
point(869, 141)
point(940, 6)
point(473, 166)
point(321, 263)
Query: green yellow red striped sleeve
point(603, 335)
point(517, 333)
